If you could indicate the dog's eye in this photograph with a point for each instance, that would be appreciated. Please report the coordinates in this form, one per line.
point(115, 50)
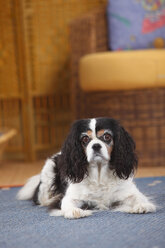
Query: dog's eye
point(85, 140)
point(107, 137)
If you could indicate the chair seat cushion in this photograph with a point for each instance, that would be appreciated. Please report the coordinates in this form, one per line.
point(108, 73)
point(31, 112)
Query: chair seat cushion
point(122, 70)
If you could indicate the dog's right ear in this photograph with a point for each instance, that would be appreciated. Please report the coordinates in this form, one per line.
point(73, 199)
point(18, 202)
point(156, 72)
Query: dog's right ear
point(73, 161)
point(124, 159)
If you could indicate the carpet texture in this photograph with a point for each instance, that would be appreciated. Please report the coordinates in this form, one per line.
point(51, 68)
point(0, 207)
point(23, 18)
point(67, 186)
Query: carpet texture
point(24, 225)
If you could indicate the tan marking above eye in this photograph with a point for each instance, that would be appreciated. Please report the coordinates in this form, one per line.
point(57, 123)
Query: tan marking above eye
point(100, 132)
point(89, 133)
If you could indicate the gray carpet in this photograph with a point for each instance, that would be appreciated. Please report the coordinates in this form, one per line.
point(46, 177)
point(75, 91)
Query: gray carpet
point(24, 225)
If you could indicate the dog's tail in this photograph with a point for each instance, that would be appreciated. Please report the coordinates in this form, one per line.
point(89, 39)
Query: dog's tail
point(28, 190)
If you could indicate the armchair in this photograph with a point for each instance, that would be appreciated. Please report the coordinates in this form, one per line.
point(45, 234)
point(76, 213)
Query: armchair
point(141, 111)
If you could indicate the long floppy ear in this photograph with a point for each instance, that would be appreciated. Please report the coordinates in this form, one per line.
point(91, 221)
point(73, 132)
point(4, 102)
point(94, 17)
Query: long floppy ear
point(123, 158)
point(73, 162)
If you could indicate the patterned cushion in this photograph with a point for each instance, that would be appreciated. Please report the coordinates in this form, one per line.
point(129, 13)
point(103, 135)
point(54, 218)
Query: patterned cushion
point(136, 24)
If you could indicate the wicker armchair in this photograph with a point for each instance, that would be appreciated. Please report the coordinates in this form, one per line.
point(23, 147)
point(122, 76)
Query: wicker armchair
point(142, 112)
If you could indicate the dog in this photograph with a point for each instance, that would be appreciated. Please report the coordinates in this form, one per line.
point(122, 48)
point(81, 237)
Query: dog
point(94, 171)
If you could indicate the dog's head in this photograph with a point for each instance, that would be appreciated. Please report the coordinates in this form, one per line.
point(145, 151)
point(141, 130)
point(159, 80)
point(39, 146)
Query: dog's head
point(93, 141)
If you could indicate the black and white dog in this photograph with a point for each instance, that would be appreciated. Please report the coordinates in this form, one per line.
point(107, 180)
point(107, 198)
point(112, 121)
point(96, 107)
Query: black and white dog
point(93, 171)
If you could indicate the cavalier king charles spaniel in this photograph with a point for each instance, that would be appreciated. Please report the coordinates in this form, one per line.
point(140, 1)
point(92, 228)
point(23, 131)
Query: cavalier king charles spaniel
point(94, 171)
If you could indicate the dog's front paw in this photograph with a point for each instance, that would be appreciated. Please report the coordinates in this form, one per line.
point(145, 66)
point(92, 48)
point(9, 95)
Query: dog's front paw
point(55, 212)
point(76, 213)
point(141, 208)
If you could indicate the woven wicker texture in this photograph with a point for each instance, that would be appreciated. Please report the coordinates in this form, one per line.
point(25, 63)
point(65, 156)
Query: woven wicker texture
point(142, 112)
point(35, 72)
point(5, 136)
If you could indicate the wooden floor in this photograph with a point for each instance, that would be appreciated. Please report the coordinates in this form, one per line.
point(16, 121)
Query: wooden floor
point(16, 173)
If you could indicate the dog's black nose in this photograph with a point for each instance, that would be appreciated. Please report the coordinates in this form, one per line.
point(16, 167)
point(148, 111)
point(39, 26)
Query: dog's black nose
point(96, 147)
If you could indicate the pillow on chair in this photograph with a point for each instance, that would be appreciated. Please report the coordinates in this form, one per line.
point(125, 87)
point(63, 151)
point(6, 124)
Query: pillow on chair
point(136, 24)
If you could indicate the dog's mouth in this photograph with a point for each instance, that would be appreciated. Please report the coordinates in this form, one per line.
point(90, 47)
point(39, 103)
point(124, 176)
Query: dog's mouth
point(97, 156)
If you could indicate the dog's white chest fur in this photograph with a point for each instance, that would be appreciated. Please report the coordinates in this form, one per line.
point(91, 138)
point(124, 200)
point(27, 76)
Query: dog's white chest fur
point(96, 188)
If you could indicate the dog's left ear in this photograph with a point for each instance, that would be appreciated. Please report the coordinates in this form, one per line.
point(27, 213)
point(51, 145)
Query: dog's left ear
point(123, 158)
point(73, 162)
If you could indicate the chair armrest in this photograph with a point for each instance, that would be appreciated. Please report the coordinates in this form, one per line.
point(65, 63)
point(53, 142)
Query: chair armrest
point(88, 34)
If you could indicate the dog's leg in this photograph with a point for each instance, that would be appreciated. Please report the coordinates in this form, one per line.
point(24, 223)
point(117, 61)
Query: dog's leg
point(56, 212)
point(71, 210)
point(135, 202)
